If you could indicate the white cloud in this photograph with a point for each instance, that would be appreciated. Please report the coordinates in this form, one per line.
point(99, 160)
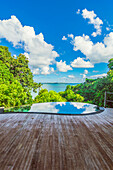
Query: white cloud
point(47, 70)
point(62, 66)
point(107, 28)
point(15, 56)
point(27, 55)
point(36, 71)
point(50, 107)
point(84, 74)
point(85, 71)
point(71, 36)
point(78, 11)
point(96, 53)
point(41, 54)
point(99, 75)
point(71, 76)
point(93, 19)
point(80, 63)
point(64, 38)
point(51, 69)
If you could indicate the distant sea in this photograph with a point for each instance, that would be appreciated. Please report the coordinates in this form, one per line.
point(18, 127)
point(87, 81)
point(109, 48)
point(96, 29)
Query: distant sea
point(53, 86)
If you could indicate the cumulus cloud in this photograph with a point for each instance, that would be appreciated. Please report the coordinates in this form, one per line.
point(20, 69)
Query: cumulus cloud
point(62, 66)
point(64, 38)
point(107, 28)
point(99, 75)
point(40, 53)
point(78, 105)
point(71, 36)
point(44, 70)
point(36, 71)
point(84, 74)
point(85, 71)
point(27, 55)
point(93, 19)
point(80, 63)
point(96, 53)
point(78, 11)
point(71, 76)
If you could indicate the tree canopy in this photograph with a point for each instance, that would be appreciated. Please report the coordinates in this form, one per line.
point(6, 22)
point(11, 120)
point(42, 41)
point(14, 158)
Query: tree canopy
point(70, 95)
point(51, 96)
point(16, 79)
point(93, 90)
point(19, 68)
point(16, 83)
point(11, 91)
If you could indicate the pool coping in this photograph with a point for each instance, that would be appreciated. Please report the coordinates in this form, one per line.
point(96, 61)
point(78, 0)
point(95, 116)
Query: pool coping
point(101, 109)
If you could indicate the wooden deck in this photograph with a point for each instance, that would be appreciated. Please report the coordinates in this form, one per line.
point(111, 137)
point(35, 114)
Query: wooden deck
point(51, 142)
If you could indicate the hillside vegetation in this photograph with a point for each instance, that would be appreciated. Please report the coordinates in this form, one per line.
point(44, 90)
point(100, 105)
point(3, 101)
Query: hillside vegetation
point(16, 80)
point(93, 90)
point(16, 83)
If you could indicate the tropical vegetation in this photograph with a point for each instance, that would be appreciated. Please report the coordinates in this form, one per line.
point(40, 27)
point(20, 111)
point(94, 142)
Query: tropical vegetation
point(16, 79)
point(93, 90)
point(16, 83)
point(51, 96)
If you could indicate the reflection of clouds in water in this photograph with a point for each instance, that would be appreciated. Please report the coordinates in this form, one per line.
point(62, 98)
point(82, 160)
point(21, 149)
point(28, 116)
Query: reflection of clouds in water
point(78, 105)
point(89, 109)
point(61, 103)
point(63, 107)
point(44, 107)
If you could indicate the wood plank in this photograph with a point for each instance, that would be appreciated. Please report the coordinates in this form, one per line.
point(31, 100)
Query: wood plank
point(54, 142)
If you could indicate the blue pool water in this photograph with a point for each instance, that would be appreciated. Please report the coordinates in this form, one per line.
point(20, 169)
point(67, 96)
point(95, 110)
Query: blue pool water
point(59, 108)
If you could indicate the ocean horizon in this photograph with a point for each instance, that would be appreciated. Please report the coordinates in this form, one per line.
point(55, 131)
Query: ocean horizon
point(53, 86)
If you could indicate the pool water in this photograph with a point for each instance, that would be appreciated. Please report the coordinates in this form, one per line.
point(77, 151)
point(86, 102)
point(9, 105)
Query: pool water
point(70, 108)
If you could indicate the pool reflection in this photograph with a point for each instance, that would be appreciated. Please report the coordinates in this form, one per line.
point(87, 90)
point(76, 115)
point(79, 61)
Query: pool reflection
point(63, 108)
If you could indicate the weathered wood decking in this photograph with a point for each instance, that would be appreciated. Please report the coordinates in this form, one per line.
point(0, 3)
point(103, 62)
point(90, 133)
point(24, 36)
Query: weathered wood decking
point(50, 142)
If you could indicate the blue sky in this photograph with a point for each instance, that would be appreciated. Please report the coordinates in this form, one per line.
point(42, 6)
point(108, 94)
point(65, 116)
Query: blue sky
point(65, 41)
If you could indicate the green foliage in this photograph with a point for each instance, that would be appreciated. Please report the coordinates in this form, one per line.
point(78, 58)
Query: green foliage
point(39, 86)
point(70, 96)
point(110, 64)
point(11, 91)
point(5, 75)
point(5, 56)
point(51, 96)
point(110, 73)
point(19, 68)
point(93, 90)
point(16, 80)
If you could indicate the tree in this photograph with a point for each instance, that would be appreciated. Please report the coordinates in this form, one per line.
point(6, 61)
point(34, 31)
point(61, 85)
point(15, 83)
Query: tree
point(70, 96)
point(110, 64)
point(5, 56)
point(19, 68)
point(110, 73)
point(51, 96)
point(39, 86)
point(93, 90)
point(21, 71)
point(11, 91)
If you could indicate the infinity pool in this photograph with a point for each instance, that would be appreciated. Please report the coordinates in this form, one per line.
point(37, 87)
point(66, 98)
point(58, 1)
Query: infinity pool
point(66, 108)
